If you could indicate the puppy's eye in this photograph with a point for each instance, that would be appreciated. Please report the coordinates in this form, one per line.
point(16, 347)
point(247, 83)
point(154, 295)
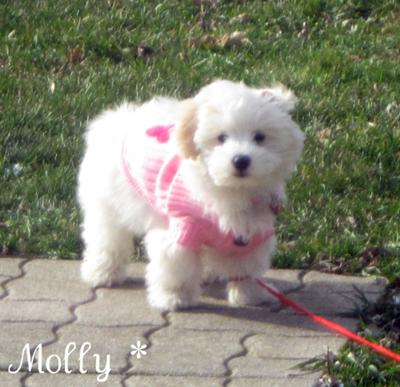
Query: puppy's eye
point(259, 137)
point(222, 138)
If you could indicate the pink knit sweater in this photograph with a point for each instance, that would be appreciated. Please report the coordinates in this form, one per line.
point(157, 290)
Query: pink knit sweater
point(158, 179)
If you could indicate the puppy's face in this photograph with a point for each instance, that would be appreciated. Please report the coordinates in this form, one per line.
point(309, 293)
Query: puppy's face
point(244, 137)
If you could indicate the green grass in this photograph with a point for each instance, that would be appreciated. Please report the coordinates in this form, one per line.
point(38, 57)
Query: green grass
point(340, 57)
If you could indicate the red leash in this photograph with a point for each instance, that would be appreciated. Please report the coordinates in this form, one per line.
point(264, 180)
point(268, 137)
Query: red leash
point(331, 325)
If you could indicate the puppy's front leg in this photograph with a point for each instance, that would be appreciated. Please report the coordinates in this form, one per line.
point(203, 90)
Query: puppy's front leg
point(243, 288)
point(247, 291)
point(173, 274)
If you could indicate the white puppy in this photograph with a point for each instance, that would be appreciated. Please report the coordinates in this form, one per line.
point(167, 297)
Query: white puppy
point(201, 179)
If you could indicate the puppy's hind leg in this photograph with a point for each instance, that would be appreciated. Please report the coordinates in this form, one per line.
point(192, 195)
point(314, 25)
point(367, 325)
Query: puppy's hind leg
point(108, 246)
point(173, 274)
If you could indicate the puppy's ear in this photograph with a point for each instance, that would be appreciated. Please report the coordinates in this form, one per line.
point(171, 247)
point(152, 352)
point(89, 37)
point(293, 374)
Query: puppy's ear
point(185, 129)
point(282, 96)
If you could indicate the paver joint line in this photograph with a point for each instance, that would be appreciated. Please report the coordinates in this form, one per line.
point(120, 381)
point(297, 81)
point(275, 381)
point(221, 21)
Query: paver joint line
point(72, 309)
point(243, 352)
point(24, 378)
point(147, 335)
point(7, 281)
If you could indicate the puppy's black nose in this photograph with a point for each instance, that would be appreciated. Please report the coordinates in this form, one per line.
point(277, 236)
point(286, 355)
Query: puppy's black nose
point(241, 162)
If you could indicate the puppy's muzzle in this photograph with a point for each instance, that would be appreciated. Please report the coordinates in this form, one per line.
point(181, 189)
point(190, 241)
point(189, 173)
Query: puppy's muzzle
point(241, 164)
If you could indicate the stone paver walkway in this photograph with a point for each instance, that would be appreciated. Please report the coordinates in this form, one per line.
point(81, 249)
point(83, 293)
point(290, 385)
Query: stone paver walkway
point(44, 302)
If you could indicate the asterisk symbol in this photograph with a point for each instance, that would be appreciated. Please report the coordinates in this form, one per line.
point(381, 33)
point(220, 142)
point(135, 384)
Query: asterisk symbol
point(138, 349)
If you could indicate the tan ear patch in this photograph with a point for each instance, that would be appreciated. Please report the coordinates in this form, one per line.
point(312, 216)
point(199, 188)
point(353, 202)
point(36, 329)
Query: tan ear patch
point(280, 94)
point(184, 132)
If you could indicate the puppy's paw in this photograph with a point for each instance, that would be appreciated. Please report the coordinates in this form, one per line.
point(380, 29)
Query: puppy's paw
point(248, 292)
point(167, 301)
point(102, 275)
point(211, 278)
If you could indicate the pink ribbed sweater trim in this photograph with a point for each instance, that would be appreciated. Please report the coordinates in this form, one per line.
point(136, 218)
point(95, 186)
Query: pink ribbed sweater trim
point(159, 181)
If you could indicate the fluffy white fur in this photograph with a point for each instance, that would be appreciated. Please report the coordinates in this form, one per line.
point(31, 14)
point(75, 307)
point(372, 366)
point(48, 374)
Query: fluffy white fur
point(113, 212)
